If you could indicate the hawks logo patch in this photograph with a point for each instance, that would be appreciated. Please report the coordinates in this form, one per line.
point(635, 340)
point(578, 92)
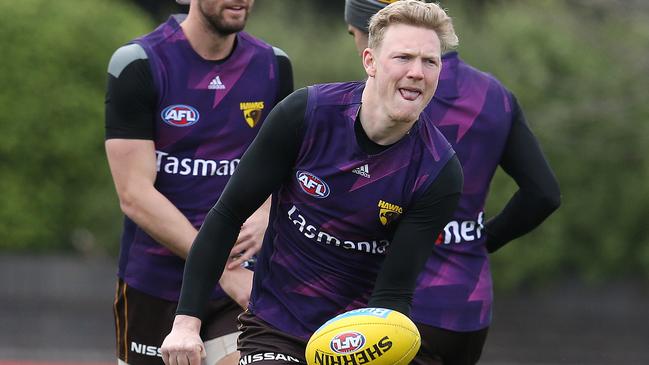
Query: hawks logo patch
point(252, 112)
point(388, 212)
point(388, 1)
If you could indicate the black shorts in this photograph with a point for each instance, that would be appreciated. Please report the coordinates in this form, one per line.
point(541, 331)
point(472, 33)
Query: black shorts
point(260, 343)
point(440, 346)
point(143, 321)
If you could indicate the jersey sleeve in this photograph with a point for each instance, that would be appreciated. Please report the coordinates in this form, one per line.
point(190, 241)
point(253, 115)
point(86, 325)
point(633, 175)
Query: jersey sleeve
point(285, 74)
point(261, 171)
point(130, 95)
point(538, 194)
point(414, 240)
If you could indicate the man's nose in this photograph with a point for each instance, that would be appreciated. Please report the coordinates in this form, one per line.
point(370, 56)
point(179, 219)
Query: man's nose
point(416, 70)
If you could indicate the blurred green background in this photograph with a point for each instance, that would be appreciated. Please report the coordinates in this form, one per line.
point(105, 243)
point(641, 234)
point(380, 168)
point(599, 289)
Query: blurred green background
point(579, 68)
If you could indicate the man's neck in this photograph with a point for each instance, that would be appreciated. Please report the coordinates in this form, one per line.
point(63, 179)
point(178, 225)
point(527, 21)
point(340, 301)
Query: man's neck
point(207, 43)
point(378, 126)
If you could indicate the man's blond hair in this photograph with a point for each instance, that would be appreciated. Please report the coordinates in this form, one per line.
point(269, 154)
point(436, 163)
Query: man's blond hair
point(416, 13)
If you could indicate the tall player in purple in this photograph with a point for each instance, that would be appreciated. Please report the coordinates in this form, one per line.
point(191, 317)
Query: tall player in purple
point(485, 125)
point(360, 182)
point(183, 104)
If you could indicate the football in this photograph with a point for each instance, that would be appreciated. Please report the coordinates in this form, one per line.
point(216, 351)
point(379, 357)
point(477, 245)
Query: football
point(372, 336)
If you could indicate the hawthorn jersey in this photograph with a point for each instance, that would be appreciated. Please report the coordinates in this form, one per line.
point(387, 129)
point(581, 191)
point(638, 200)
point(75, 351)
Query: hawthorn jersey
point(333, 217)
point(474, 112)
point(206, 115)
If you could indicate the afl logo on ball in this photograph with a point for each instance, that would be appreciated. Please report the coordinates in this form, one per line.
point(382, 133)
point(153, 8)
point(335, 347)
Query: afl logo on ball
point(180, 115)
point(312, 184)
point(347, 342)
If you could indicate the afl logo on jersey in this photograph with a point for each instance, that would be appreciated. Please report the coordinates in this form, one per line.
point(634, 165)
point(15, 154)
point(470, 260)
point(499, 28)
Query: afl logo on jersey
point(312, 184)
point(180, 115)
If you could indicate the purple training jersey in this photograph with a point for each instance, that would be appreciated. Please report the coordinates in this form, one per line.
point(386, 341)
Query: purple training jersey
point(333, 219)
point(207, 115)
point(473, 111)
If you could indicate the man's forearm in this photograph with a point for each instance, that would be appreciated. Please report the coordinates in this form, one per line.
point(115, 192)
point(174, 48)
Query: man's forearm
point(161, 220)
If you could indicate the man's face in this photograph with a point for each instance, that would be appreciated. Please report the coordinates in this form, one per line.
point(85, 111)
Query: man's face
point(406, 67)
point(226, 16)
point(360, 38)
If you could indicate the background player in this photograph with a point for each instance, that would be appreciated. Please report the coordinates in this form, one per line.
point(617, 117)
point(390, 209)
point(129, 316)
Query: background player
point(358, 174)
point(487, 128)
point(183, 103)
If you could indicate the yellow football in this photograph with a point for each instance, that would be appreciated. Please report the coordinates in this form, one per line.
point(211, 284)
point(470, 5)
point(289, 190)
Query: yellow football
point(371, 336)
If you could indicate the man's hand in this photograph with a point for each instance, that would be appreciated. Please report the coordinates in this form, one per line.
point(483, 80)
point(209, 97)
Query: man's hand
point(237, 283)
point(183, 345)
point(250, 237)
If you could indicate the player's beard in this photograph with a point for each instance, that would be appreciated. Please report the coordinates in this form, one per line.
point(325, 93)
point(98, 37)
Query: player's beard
point(224, 27)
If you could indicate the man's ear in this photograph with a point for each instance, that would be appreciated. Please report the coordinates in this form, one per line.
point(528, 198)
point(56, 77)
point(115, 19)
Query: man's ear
point(369, 61)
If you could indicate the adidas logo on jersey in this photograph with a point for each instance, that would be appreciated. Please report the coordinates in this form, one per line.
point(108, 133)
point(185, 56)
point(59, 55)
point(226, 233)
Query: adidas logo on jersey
point(216, 84)
point(362, 170)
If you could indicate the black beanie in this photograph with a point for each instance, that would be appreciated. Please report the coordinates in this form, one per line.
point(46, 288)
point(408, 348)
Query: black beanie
point(359, 12)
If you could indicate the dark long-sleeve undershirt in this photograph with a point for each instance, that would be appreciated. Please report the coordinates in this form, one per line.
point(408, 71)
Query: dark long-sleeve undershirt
point(538, 194)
